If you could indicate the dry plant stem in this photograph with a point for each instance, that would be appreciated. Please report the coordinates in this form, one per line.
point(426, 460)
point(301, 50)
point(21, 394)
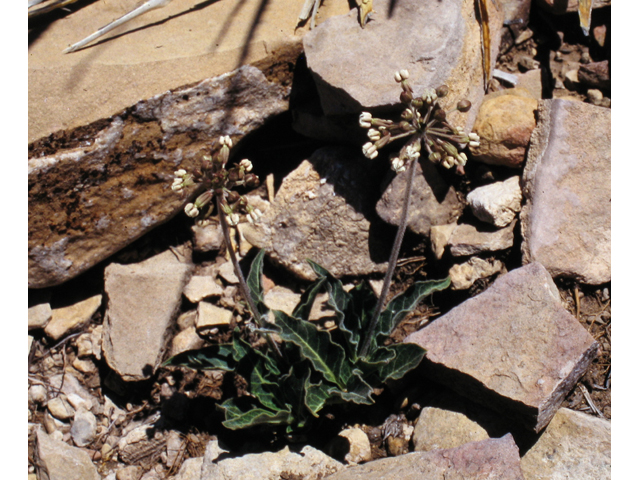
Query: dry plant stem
point(393, 259)
point(244, 288)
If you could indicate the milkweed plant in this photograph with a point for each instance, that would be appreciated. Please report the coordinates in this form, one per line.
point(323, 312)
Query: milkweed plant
point(310, 367)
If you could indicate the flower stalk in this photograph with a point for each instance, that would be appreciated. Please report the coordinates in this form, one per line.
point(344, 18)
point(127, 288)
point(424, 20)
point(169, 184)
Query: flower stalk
point(425, 121)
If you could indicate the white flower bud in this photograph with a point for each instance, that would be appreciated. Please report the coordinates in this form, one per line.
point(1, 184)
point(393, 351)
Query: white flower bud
point(246, 164)
point(233, 219)
point(191, 210)
point(226, 140)
point(365, 120)
point(180, 173)
point(254, 216)
point(177, 185)
point(373, 134)
point(404, 74)
point(474, 144)
point(448, 161)
point(397, 165)
point(370, 151)
point(474, 137)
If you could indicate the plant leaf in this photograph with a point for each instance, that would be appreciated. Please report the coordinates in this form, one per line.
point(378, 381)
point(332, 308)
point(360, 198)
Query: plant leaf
point(303, 309)
point(340, 301)
point(235, 418)
point(316, 345)
point(255, 285)
point(404, 303)
point(215, 357)
point(357, 390)
point(315, 395)
point(407, 357)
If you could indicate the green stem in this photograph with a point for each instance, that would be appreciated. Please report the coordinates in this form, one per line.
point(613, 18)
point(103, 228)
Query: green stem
point(244, 288)
point(393, 260)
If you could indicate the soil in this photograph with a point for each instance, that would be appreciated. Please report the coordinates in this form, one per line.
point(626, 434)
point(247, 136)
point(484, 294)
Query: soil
point(187, 399)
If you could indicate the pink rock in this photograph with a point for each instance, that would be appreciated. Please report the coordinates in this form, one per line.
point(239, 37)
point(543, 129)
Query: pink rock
point(513, 348)
point(491, 458)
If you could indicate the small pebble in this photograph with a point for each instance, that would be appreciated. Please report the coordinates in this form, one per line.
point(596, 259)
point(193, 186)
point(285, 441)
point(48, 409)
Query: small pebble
point(595, 96)
point(605, 294)
point(38, 394)
point(60, 408)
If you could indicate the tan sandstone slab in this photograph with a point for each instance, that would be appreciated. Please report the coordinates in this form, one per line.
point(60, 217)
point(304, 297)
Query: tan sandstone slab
point(180, 44)
point(513, 348)
point(144, 299)
point(566, 217)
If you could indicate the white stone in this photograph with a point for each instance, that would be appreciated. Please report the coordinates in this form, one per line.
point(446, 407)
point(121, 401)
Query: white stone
point(39, 316)
point(38, 394)
point(58, 461)
point(498, 202)
point(227, 272)
point(465, 274)
point(439, 428)
point(439, 236)
point(211, 316)
point(74, 316)
point(359, 446)
point(60, 408)
point(187, 339)
point(201, 287)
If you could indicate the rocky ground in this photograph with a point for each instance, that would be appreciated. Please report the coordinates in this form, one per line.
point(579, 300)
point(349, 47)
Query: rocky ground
point(516, 381)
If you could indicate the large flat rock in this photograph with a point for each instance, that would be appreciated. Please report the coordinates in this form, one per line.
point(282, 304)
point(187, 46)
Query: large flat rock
point(491, 458)
point(180, 44)
point(437, 42)
point(574, 445)
point(108, 184)
point(144, 299)
point(513, 348)
point(566, 217)
point(324, 211)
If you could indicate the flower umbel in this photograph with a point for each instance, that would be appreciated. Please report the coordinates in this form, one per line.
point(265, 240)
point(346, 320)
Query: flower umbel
point(424, 122)
point(218, 180)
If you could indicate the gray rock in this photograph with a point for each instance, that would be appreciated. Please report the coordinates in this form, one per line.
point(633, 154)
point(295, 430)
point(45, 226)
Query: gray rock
point(65, 319)
point(143, 301)
point(207, 238)
point(532, 82)
point(114, 193)
point(469, 239)
point(201, 287)
point(497, 203)
point(323, 212)
point(464, 275)
point(437, 42)
point(513, 348)
point(491, 458)
point(309, 464)
point(83, 429)
point(437, 428)
point(574, 445)
point(566, 217)
point(175, 447)
point(433, 201)
point(55, 460)
point(74, 390)
point(595, 75)
point(39, 315)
